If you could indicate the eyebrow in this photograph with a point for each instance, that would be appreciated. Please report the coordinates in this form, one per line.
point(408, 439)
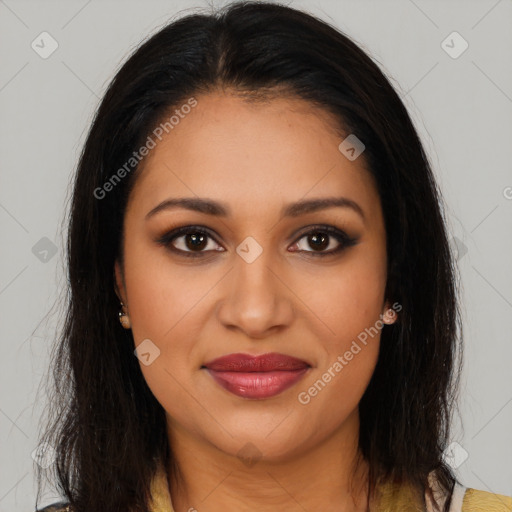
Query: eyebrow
point(211, 207)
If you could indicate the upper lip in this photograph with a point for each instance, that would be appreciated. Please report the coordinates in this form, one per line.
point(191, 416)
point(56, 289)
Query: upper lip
point(261, 363)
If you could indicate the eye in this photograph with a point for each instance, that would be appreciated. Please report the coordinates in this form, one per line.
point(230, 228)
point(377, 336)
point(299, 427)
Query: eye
point(195, 241)
point(322, 238)
point(190, 241)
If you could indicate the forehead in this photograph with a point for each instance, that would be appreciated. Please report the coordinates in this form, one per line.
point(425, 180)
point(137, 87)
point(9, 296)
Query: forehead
point(248, 154)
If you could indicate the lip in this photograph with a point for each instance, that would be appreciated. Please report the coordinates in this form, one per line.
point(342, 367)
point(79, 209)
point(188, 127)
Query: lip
point(256, 377)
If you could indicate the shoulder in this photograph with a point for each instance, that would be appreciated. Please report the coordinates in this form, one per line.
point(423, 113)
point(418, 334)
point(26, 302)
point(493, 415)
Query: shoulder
point(476, 500)
point(61, 506)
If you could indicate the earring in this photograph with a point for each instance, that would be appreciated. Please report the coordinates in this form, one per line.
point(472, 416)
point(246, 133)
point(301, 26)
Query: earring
point(389, 316)
point(124, 318)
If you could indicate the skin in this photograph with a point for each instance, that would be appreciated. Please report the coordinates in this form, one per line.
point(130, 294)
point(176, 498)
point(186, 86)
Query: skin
point(256, 159)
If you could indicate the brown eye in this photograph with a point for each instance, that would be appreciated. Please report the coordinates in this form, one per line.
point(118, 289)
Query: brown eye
point(189, 241)
point(324, 241)
point(195, 241)
point(318, 241)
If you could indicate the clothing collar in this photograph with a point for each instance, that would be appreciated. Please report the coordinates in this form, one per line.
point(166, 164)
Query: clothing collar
point(160, 495)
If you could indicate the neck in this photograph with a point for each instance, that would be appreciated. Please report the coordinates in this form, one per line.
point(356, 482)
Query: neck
point(323, 477)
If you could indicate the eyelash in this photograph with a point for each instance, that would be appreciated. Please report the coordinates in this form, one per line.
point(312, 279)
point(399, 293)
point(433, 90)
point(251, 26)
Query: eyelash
point(340, 236)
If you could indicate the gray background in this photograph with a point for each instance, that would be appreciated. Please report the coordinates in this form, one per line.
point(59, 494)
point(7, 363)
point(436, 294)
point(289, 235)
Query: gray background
point(461, 106)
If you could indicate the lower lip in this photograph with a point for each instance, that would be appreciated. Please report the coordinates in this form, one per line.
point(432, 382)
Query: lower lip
point(257, 384)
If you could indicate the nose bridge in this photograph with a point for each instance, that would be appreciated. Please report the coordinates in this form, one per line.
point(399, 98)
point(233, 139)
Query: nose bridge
point(252, 270)
point(255, 300)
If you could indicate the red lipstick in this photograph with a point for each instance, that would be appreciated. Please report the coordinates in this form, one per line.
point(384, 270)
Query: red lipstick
point(256, 376)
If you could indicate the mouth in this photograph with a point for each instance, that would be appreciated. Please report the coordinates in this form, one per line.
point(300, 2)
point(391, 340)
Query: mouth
point(256, 377)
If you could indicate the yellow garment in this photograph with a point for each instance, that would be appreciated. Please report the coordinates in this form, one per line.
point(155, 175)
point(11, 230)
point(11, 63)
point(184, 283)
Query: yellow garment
point(393, 499)
point(482, 501)
point(160, 492)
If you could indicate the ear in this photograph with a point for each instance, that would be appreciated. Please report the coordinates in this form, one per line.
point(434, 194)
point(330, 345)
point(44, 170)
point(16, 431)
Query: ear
point(119, 283)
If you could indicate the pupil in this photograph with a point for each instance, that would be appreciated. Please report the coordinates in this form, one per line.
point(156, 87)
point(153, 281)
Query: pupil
point(197, 241)
point(318, 241)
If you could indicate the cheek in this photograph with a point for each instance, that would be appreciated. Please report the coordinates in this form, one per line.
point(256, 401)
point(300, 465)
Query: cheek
point(160, 294)
point(349, 299)
point(347, 305)
point(161, 306)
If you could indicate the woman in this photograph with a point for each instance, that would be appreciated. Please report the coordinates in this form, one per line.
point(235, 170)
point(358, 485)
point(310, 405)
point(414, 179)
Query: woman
point(254, 205)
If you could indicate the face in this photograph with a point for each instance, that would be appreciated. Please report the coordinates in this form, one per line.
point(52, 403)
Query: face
point(253, 275)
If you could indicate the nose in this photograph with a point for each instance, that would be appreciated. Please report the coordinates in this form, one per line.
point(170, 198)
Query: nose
point(257, 299)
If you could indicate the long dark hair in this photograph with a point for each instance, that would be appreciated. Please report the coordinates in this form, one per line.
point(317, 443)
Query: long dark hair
point(106, 427)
